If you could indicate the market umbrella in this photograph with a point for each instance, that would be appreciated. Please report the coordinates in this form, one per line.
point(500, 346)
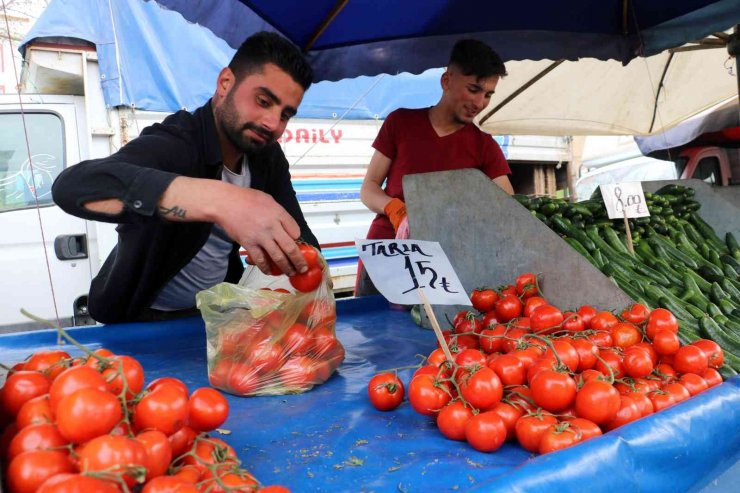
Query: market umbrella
point(595, 97)
point(344, 39)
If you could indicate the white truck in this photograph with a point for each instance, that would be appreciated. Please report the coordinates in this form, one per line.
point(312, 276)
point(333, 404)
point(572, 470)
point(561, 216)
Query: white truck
point(47, 257)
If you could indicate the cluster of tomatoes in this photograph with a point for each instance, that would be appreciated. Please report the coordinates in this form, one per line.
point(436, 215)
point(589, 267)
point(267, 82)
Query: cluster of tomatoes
point(287, 346)
point(525, 370)
point(89, 424)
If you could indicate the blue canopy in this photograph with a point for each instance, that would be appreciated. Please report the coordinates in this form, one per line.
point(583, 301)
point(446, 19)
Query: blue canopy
point(165, 55)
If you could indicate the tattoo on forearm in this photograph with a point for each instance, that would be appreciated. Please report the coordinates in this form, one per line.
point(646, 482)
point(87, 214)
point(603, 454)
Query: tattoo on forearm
point(174, 211)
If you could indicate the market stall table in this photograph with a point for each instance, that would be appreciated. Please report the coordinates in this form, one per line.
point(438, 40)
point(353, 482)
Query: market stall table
point(332, 439)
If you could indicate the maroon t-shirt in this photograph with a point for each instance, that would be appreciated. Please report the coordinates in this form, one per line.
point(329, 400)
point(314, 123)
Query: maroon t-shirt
point(413, 146)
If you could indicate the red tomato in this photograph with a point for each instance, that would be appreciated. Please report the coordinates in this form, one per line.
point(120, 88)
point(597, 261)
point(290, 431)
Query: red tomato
point(610, 363)
point(650, 349)
point(587, 353)
point(533, 303)
point(73, 379)
point(530, 428)
point(566, 353)
point(266, 356)
point(28, 471)
point(509, 369)
point(491, 340)
point(486, 431)
point(510, 415)
point(307, 281)
point(603, 320)
point(712, 377)
point(666, 342)
point(489, 319)
point(661, 400)
point(587, 428)
point(35, 437)
point(35, 411)
point(545, 319)
point(508, 289)
point(427, 395)
point(587, 312)
point(318, 312)
point(483, 299)
point(133, 376)
point(311, 254)
point(660, 318)
point(529, 355)
point(169, 484)
point(468, 325)
point(207, 409)
point(87, 413)
point(553, 391)
point(693, 383)
point(52, 363)
point(602, 339)
point(209, 451)
point(625, 334)
point(452, 420)
point(77, 483)
point(526, 285)
point(665, 372)
point(644, 404)
point(508, 307)
point(715, 355)
point(690, 359)
point(385, 391)
point(298, 371)
point(188, 473)
point(462, 342)
point(637, 362)
point(558, 437)
point(572, 322)
point(636, 314)
point(520, 396)
point(538, 366)
point(514, 337)
point(112, 454)
point(628, 411)
point(22, 386)
point(165, 409)
point(297, 340)
point(168, 380)
point(468, 358)
point(597, 401)
point(482, 388)
point(182, 440)
point(158, 452)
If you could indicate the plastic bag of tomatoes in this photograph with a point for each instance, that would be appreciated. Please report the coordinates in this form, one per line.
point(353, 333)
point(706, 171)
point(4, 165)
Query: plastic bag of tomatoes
point(272, 335)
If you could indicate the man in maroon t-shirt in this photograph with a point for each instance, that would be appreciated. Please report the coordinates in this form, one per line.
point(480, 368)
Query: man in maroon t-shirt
point(439, 138)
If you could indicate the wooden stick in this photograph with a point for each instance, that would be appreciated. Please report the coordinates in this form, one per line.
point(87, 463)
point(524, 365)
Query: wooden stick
point(435, 326)
point(629, 233)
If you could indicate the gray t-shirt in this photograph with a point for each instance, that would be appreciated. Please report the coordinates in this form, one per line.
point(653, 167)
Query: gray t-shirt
point(209, 265)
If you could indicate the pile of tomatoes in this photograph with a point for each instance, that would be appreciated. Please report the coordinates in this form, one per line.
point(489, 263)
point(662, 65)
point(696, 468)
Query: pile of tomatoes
point(78, 424)
point(524, 370)
point(285, 343)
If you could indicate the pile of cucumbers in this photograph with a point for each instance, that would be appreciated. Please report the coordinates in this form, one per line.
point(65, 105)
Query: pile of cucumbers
point(679, 262)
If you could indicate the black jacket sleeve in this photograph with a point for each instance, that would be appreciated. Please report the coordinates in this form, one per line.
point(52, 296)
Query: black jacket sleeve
point(138, 174)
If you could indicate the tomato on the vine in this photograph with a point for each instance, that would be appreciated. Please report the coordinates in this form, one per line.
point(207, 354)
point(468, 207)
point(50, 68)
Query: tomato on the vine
point(207, 409)
point(553, 391)
point(597, 401)
point(530, 428)
point(715, 354)
point(690, 359)
point(483, 299)
point(558, 437)
point(307, 281)
point(428, 395)
point(453, 418)
point(508, 307)
point(385, 391)
point(482, 388)
point(486, 431)
point(660, 318)
point(526, 285)
point(636, 314)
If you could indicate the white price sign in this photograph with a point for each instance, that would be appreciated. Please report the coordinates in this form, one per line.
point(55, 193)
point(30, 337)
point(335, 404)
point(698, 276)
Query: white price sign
point(624, 197)
point(399, 268)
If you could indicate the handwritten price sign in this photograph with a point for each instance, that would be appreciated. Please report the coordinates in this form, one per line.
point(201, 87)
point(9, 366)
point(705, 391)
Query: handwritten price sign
point(624, 197)
point(398, 268)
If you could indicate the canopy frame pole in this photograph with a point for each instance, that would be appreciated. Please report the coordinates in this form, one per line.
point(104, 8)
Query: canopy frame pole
point(523, 88)
point(338, 7)
point(660, 88)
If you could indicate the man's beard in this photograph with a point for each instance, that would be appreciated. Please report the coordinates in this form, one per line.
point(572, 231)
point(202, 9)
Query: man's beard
point(234, 130)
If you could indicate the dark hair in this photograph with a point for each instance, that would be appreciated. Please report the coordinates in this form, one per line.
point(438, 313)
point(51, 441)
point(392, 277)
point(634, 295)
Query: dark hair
point(474, 57)
point(266, 47)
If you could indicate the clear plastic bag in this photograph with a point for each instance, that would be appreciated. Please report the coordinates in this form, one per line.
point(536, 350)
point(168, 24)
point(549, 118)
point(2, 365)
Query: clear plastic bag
point(266, 342)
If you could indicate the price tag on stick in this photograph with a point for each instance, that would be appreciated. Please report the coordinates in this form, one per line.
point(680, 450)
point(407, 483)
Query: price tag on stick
point(398, 268)
point(625, 200)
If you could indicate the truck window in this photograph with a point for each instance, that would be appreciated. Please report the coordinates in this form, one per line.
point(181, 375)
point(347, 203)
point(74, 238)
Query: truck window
point(19, 175)
point(708, 170)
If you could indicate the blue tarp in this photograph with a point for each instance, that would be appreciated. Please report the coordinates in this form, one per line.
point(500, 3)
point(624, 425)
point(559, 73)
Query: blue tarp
point(332, 439)
point(153, 59)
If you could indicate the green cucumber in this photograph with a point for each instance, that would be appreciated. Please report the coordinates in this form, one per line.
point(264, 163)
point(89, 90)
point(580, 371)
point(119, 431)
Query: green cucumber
point(576, 245)
point(673, 251)
point(729, 260)
point(703, 284)
point(707, 232)
point(564, 226)
point(712, 330)
point(731, 290)
point(612, 238)
point(711, 272)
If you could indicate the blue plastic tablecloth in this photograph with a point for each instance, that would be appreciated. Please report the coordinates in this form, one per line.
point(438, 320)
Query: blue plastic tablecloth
point(332, 439)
